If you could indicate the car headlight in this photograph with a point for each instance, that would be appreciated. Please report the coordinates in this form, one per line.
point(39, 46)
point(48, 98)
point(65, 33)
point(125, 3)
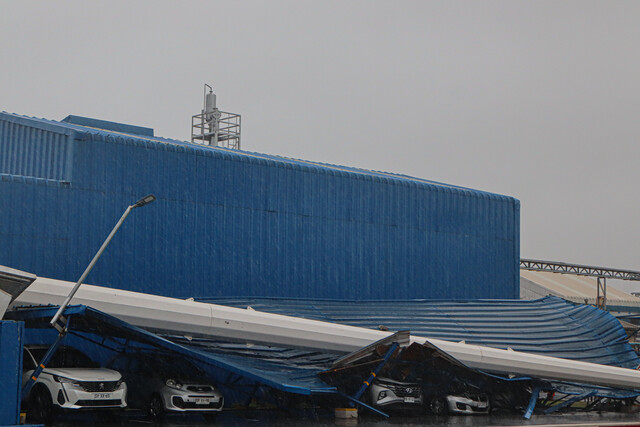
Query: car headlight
point(382, 395)
point(64, 380)
point(173, 384)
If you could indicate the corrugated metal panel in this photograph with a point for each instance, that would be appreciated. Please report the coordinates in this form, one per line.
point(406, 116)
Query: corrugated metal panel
point(287, 370)
point(103, 124)
point(574, 288)
point(11, 342)
point(231, 223)
point(550, 326)
point(35, 152)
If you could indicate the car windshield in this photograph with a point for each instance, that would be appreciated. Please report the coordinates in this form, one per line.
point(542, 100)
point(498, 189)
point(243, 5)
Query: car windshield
point(65, 357)
point(177, 368)
point(156, 365)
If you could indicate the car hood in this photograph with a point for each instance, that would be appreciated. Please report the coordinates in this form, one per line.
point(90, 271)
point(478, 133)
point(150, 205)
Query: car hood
point(389, 381)
point(85, 374)
point(187, 381)
point(190, 383)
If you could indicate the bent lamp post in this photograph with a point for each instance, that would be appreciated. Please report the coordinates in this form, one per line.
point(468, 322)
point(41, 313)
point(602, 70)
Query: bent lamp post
point(142, 202)
point(62, 326)
point(59, 322)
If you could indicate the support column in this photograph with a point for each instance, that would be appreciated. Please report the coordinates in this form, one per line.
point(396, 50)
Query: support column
point(601, 300)
point(11, 342)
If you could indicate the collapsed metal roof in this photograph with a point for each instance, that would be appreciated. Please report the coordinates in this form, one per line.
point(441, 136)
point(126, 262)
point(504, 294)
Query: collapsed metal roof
point(548, 326)
point(281, 373)
point(543, 326)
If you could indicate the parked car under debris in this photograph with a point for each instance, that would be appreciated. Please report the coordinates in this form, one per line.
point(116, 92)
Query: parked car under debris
point(71, 381)
point(423, 380)
point(388, 394)
point(469, 404)
point(161, 383)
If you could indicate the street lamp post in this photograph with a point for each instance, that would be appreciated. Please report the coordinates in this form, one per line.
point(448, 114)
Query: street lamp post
point(142, 202)
point(62, 327)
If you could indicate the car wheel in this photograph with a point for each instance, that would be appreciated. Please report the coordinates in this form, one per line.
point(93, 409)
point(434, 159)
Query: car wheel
point(41, 405)
point(437, 405)
point(156, 408)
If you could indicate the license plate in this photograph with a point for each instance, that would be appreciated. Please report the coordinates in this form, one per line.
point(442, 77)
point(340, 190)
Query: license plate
point(409, 400)
point(102, 395)
point(202, 400)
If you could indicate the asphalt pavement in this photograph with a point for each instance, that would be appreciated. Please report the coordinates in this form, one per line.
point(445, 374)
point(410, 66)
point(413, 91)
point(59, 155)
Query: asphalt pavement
point(277, 418)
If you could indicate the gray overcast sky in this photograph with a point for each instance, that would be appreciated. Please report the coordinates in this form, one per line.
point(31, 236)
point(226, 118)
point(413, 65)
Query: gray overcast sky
point(538, 100)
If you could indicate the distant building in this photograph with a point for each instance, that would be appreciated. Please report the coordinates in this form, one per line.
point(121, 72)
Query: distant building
point(578, 289)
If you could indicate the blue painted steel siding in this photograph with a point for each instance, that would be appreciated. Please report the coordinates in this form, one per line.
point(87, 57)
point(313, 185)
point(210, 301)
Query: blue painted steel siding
point(245, 224)
point(32, 152)
point(103, 124)
point(11, 341)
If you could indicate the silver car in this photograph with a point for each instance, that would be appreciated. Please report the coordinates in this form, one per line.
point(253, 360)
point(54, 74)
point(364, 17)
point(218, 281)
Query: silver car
point(161, 383)
point(388, 393)
point(468, 404)
point(462, 404)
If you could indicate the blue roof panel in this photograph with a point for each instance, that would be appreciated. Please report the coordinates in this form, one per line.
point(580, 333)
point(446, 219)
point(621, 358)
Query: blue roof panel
point(291, 371)
point(597, 336)
point(550, 326)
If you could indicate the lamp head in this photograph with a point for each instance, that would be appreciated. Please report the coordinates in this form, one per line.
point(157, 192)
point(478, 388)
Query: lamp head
point(145, 201)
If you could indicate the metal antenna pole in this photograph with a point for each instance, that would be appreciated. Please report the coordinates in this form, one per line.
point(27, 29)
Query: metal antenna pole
point(142, 202)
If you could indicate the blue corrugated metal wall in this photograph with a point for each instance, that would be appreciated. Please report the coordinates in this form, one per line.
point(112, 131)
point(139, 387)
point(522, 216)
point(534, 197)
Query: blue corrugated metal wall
point(11, 341)
point(243, 224)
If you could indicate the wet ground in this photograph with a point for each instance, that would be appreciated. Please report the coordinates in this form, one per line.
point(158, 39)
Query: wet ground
point(276, 418)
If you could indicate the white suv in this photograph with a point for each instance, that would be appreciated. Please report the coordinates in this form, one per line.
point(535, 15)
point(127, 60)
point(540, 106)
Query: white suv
point(70, 381)
point(388, 393)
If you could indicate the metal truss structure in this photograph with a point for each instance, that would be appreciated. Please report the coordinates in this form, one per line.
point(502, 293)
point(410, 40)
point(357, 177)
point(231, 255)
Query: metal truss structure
point(222, 130)
point(579, 270)
point(601, 273)
point(214, 127)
